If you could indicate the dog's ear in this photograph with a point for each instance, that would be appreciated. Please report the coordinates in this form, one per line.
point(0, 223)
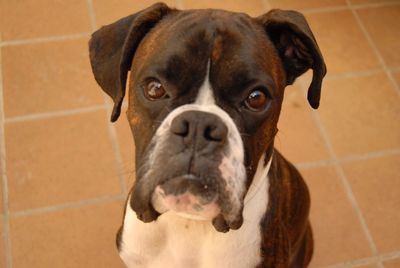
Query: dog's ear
point(297, 48)
point(112, 48)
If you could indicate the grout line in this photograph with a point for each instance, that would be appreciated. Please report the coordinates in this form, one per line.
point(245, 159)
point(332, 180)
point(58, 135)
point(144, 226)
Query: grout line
point(353, 201)
point(117, 151)
point(77, 204)
point(342, 177)
point(356, 74)
point(38, 116)
point(370, 155)
point(3, 176)
point(111, 128)
point(44, 39)
point(323, 9)
point(91, 13)
point(372, 5)
point(348, 159)
point(346, 7)
point(366, 261)
point(374, 48)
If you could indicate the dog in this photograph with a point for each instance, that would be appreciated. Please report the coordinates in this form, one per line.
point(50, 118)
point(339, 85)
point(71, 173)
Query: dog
point(205, 94)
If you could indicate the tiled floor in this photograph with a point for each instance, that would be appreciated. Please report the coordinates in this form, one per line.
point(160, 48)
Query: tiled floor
point(65, 170)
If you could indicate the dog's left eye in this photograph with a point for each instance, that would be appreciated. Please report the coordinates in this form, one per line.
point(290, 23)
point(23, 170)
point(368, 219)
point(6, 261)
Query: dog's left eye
point(154, 90)
point(256, 101)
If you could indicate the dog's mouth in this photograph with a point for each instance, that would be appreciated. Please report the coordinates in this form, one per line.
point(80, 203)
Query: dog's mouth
point(188, 196)
point(213, 199)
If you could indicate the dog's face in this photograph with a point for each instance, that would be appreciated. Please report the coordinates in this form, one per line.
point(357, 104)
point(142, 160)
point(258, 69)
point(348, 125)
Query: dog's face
point(199, 87)
point(205, 93)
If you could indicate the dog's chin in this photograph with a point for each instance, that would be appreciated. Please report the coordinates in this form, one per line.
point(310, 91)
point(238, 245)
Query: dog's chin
point(213, 199)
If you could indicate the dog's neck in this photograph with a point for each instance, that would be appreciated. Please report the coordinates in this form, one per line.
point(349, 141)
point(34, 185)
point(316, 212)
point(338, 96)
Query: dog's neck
point(260, 175)
point(196, 241)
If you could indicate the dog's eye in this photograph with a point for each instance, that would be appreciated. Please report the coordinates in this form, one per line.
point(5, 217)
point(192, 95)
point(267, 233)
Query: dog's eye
point(154, 90)
point(256, 101)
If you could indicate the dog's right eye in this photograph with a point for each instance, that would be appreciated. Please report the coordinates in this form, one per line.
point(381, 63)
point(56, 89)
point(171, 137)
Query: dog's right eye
point(154, 90)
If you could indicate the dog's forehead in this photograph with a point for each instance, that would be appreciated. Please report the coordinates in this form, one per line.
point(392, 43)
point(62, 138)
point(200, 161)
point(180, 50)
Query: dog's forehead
point(183, 44)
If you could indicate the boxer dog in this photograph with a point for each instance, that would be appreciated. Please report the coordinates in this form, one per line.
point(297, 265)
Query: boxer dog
point(205, 93)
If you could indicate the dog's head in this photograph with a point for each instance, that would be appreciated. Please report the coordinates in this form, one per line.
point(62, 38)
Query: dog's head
point(205, 93)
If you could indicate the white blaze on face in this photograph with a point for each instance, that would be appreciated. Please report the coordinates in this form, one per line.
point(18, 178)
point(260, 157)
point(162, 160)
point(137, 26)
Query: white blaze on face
point(231, 167)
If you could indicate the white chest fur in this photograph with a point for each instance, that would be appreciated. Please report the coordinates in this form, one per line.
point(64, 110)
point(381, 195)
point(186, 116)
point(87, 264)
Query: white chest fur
point(175, 241)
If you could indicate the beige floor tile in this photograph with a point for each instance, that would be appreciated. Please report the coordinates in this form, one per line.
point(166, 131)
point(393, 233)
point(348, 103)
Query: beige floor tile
point(39, 18)
point(1, 191)
point(337, 233)
point(397, 77)
point(127, 146)
point(299, 138)
point(251, 7)
point(304, 4)
point(360, 2)
point(78, 237)
point(383, 24)
point(359, 114)
point(48, 77)
point(2, 252)
point(108, 11)
point(392, 263)
point(368, 266)
point(376, 185)
point(343, 45)
point(58, 160)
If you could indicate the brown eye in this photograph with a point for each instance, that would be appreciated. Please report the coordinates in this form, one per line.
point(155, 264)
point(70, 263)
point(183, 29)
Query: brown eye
point(153, 90)
point(256, 101)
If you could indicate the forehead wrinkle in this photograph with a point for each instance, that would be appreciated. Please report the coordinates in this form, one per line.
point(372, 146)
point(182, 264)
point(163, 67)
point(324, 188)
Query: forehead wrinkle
point(216, 49)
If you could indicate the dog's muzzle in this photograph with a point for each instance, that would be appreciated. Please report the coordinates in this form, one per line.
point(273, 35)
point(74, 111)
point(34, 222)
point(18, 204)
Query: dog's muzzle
point(200, 136)
point(192, 169)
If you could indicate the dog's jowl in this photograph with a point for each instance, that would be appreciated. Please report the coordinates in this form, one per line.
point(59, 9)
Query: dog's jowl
point(205, 93)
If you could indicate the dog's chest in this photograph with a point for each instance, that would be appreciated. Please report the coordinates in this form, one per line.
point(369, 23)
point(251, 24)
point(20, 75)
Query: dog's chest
point(174, 241)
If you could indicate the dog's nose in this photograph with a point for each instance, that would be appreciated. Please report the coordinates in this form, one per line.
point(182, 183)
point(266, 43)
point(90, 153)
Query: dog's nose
point(199, 127)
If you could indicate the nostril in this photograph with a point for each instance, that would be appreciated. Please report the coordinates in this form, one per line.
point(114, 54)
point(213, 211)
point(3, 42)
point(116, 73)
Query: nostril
point(208, 133)
point(215, 133)
point(180, 127)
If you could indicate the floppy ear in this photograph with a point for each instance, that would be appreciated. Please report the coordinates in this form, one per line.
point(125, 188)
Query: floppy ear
point(297, 48)
point(112, 47)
